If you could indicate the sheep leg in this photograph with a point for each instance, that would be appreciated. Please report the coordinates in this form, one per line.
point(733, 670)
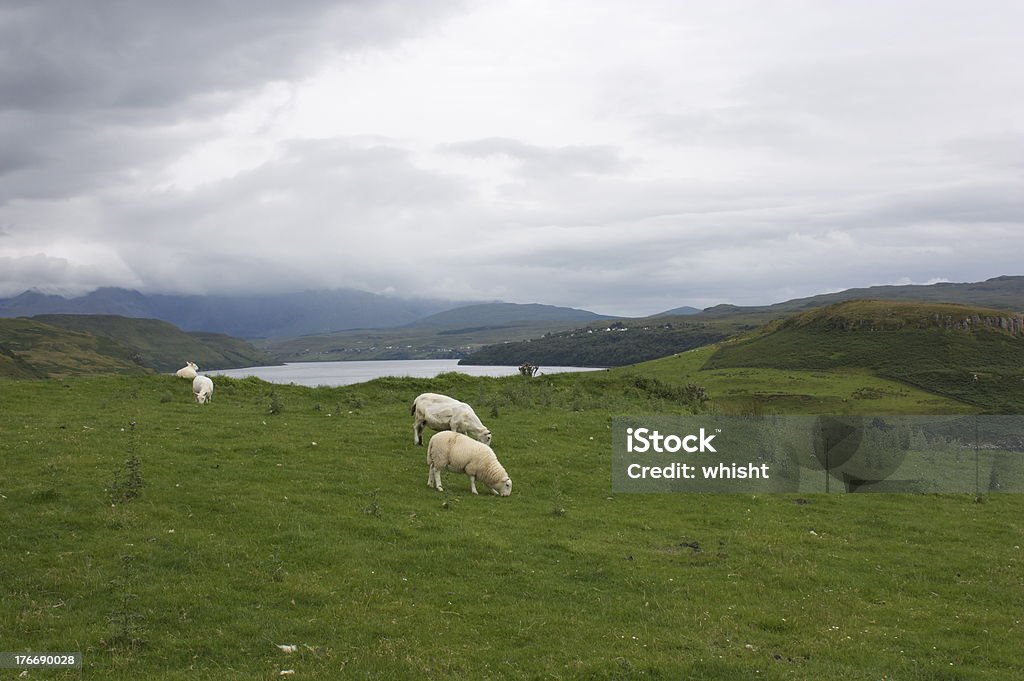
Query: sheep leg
point(434, 476)
point(430, 475)
point(472, 483)
point(417, 432)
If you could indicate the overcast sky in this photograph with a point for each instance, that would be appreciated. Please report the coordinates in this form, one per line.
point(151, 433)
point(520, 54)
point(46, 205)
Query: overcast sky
point(624, 157)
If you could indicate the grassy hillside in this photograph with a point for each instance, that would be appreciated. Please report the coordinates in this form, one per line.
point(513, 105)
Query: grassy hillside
point(163, 346)
point(974, 355)
point(227, 352)
point(763, 390)
point(617, 344)
point(170, 541)
point(30, 348)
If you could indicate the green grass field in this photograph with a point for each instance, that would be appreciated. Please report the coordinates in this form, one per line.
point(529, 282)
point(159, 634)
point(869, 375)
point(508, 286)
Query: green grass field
point(241, 529)
point(762, 390)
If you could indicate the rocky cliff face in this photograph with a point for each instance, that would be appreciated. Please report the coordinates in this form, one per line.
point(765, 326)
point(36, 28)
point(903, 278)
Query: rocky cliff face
point(1012, 324)
point(885, 316)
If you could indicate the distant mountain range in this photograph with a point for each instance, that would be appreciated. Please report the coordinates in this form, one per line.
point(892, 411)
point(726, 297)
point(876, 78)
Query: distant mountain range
point(678, 311)
point(251, 316)
point(503, 314)
point(291, 315)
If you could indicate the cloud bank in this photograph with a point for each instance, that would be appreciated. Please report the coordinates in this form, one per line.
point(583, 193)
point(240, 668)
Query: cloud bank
point(622, 158)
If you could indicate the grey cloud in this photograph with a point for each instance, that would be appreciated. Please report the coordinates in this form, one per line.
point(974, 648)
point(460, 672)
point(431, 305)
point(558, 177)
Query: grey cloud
point(968, 204)
point(150, 54)
point(543, 161)
point(324, 212)
point(55, 274)
point(807, 169)
point(91, 91)
point(997, 150)
point(733, 126)
point(54, 156)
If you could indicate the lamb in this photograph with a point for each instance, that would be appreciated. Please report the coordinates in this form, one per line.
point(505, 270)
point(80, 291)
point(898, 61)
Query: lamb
point(202, 389)
point(441, 412)
point(462, 454)
point(190, 370)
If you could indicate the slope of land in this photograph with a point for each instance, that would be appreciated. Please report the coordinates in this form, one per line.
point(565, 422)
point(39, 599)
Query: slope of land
point(974, 355)
point(30, 348)
point(57, 345)
point(760, 390)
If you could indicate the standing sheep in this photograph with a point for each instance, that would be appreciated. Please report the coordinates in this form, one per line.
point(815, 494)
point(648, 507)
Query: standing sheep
point(202, 389)
point(190, 370)
point(462, 454)
point(441, 412)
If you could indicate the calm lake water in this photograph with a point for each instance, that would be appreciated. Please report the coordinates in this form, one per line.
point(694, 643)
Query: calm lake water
point(346, 373)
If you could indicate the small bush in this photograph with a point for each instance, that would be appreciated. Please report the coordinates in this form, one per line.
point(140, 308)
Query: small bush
point(127, 483)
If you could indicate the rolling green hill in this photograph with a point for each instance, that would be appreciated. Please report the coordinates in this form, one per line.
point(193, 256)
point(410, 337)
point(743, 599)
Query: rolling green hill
point(757, 390)
point(974, 355)
point(161, 345)
point(13, 366)
point(62, 345)
point(30, 348)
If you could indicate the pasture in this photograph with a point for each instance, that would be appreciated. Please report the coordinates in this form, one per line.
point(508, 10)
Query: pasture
point(167, 540)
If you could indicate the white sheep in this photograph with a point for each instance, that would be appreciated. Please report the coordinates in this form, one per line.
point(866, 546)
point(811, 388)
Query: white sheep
point(441, 412)
point(462, 454)
point(190, 370)
point(202, 389)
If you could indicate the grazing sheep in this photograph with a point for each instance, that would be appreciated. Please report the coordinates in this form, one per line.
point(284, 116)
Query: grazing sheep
point(190, 370)
point(441, 412)
point(202, 389)
point(462, 454)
